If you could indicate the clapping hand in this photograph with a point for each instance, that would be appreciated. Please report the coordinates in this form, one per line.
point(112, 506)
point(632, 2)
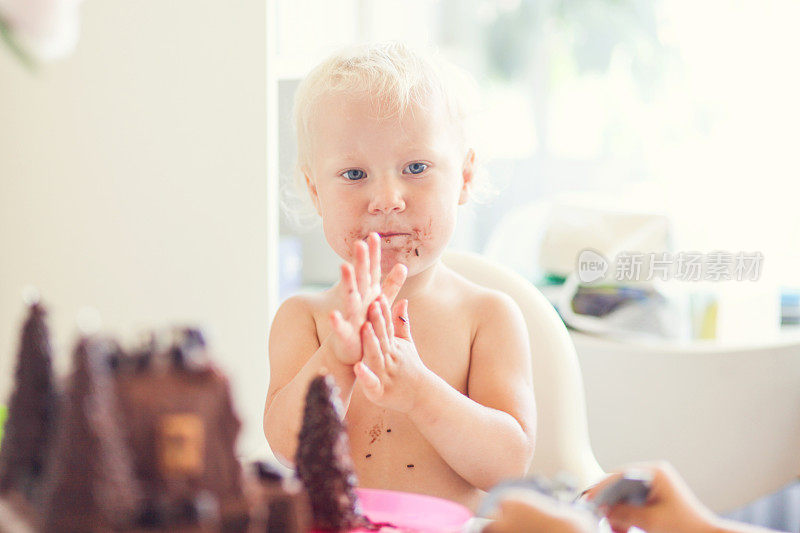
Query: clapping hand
point(391, 371)
point(359, 286)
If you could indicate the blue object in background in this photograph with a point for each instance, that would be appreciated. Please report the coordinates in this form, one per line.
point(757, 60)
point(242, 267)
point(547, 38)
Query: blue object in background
point(290, 266)
point(790, 306)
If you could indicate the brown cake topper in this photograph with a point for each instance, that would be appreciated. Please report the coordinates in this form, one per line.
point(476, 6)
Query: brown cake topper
point(323, 459)
point(32, 407)
point(89, 484)
point(182, 431)
point(181, 445)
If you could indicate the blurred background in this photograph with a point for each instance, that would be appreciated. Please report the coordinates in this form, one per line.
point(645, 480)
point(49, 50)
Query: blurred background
point(620, 126)
point(133, 183)
point(664, 107)
point(142, 175)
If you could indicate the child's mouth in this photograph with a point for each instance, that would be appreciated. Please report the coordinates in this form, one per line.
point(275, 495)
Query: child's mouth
point(396, 246)
point(387, 236)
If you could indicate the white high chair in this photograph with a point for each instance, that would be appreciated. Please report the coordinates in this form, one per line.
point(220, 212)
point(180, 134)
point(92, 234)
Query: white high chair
point(562, 435)
point(726, 416)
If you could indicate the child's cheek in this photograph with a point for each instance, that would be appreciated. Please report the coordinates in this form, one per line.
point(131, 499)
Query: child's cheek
point(349, 238)
point(342, 241)
point(340, 237)
point(432, 237)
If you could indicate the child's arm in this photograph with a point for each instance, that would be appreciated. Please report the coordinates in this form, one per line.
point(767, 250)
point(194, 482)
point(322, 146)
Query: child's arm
point(292, 338)
point(296, 355)
point(486, 437)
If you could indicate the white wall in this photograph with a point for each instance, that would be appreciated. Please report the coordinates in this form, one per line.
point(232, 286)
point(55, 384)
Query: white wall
point(132, 180)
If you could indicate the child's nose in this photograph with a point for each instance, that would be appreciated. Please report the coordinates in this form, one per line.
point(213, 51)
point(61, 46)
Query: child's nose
point(387, 197)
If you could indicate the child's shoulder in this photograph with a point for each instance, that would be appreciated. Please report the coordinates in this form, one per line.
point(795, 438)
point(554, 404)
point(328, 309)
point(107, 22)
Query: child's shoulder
point(306, 308)
point(485, 303)
point(497, 326)
point(301, 303)
point(305, 304)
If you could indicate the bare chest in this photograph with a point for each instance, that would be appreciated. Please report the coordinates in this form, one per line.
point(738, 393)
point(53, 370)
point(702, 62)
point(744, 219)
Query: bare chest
point(443, 338)
point(388, 450)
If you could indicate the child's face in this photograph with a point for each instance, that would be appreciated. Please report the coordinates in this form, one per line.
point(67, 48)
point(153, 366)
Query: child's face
point(402, 177)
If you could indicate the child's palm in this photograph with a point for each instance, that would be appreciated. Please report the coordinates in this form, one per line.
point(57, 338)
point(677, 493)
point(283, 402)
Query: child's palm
point(358, 288)
point(391, 370)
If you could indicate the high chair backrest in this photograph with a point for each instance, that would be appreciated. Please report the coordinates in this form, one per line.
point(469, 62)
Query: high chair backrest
point(562, 435)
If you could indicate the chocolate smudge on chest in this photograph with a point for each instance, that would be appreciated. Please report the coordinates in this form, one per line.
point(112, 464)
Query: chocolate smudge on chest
point(375, 432)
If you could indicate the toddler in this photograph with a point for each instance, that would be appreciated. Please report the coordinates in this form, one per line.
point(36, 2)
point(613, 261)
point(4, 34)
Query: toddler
point(434, 371)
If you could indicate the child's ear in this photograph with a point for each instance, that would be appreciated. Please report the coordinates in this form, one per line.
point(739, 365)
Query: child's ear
point(312, 191)
point(467, 175)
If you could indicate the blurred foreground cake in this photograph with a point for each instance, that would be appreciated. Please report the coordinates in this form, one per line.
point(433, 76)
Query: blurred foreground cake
point(279, 503)
point(323, 460)
point(182, 430)
point(145, 441)
point(31, 415)
point(89, 482)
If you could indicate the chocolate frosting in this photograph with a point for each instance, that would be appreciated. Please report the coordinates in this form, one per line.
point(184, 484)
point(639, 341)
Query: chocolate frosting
point(181, 429)
point(29, 428)
point(323, 459)
point(89, 484)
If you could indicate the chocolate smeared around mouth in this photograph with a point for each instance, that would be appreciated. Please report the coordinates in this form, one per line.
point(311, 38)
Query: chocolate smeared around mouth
point(389, 235)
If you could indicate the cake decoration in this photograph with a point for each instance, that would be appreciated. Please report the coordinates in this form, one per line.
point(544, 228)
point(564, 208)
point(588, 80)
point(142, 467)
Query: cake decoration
point(32, 409)
point(182, 430)
point(323, 459)
point(89, 482)
point(280, 502)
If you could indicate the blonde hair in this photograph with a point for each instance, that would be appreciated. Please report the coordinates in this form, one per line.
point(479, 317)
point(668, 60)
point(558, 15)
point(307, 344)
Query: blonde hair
point(395, 78)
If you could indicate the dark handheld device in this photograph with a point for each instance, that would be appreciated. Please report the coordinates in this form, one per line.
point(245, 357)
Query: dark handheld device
point(632, 489)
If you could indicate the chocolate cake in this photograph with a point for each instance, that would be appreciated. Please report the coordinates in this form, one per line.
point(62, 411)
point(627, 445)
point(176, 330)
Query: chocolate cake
point(279, 503)
point(145, 441)
point(323, 460)
point(28, 430)
point(182, 431)
point(89, 484)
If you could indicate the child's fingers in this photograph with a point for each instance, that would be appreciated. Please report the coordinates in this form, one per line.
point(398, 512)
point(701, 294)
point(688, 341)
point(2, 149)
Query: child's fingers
point(374, 257)
point(387, 317)
point(341, 327)
point(373, 356)
point(336, 321)
point(350, 296)
point(362, 267)
point(402, 327)
point(342, 331)
point(368, 380)
point(379, 325)
point(394, 281)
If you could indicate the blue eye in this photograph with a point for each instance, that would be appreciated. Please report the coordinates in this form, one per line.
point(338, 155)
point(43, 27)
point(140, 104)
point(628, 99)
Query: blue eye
point(354, 174)
point(415, 168)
